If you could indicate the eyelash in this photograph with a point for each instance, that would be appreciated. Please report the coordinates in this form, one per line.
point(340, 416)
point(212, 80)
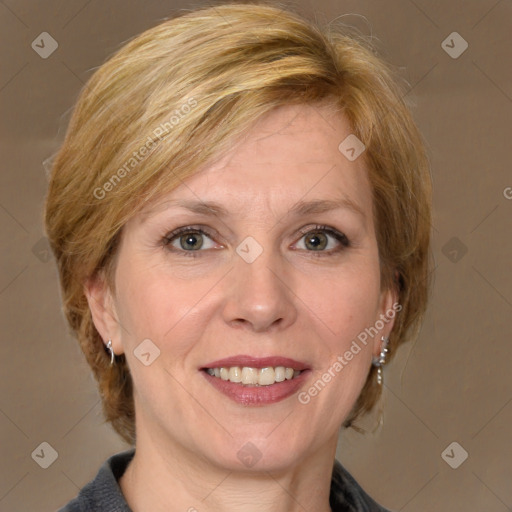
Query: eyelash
point(168, 239)
point(340, 237)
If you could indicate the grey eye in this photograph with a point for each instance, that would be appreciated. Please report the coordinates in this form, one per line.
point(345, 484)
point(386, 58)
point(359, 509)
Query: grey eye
point(316, 240)
point(193, 241)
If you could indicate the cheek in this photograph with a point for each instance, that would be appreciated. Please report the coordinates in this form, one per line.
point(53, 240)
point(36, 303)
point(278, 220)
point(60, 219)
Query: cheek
point(142, 304)
point(350, 309)
point(346, 302)
point(153, 304)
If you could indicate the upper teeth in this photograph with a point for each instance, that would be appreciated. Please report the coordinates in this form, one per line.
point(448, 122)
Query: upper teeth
point(254, 376)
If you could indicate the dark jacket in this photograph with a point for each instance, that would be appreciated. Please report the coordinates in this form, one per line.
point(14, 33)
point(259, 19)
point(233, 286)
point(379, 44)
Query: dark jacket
point(103, 494)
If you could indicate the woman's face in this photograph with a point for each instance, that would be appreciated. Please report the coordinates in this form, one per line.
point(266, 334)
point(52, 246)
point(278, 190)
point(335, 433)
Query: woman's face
point(282, 271)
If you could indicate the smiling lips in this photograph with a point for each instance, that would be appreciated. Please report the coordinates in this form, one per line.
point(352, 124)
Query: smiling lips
point(256, 381)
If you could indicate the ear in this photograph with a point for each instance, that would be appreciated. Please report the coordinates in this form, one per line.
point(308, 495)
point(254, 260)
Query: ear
point(388, 309)
point(102, 306)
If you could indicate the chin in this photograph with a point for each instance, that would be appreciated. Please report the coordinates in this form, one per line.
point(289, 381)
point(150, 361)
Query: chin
point(252, 454)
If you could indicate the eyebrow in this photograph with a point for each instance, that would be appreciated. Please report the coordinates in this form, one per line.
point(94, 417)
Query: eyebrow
point(300, 208)
point(325, 205)
point(199, 207)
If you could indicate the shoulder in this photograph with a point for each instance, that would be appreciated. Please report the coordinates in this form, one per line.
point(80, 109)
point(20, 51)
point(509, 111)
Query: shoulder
point(103, 492)
point(347, 495)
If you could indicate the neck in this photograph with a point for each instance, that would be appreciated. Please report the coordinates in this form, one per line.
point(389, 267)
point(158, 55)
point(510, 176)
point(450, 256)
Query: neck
point(158, 479)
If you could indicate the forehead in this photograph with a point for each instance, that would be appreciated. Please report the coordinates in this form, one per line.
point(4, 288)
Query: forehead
point(290, 156)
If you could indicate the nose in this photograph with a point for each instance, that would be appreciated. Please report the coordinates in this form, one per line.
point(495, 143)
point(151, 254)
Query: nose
point(259, 295)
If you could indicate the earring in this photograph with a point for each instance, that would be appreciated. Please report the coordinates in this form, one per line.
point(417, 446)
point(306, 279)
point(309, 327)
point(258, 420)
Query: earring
point(111, 350)
point(381, 359)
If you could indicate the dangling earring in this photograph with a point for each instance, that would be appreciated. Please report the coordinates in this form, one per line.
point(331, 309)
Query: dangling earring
point(111, 350)
point(381, 359)
point(366, 424)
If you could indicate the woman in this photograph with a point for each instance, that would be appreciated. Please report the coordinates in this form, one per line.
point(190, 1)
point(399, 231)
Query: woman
point(240, 213)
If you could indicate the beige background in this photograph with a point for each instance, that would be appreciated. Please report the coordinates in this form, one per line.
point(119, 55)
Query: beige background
point(453, 384)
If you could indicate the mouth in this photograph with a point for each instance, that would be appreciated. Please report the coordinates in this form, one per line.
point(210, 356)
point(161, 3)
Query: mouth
point(256, 381)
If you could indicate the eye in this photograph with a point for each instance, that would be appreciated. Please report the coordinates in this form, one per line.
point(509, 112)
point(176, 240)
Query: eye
point(188, 239)
point(323, 239)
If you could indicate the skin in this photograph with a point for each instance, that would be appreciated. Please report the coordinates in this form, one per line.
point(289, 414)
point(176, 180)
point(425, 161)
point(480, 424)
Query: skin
point(294, 300)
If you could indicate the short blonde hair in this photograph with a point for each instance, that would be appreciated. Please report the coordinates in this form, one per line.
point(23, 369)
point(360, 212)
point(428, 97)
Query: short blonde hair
point(181, 93)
